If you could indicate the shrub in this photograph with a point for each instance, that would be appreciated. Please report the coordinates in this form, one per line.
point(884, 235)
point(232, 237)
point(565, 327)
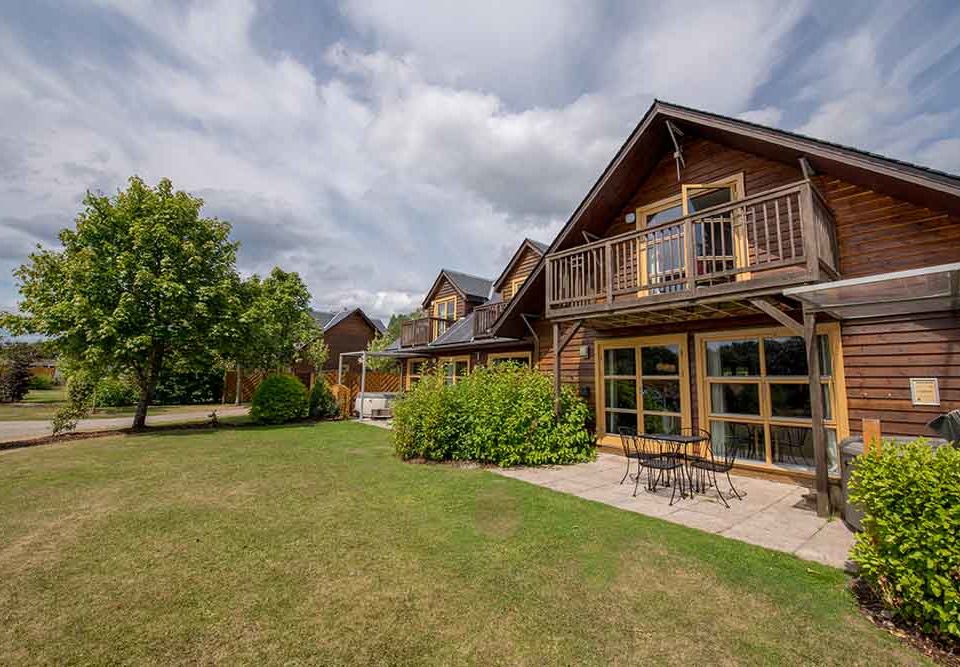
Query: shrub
point(279, 398)
point(322, 405)
point(502, 415)
point(189, 386)
point(115, 392)
point(14, 376)
point(39, 383)
point(909, 550)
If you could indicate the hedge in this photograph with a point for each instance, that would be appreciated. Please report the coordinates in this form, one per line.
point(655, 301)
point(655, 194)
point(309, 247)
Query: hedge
point(909, 550)
point(279, 398)
point(501, 415)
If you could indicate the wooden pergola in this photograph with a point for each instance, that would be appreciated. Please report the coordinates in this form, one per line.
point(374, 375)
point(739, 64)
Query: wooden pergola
point(894, 293)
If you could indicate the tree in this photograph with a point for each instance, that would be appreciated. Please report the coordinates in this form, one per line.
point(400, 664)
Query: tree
point(277, 327)
point(15, 372)
point(142, 277)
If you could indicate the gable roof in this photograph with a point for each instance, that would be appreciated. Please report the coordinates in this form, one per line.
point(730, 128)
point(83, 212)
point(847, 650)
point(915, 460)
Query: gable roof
point(328, 320)
point(650, 139)
point(470, 287)
point(526, 244)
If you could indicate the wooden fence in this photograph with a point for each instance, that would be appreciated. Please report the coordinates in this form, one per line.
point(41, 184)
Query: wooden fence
point(249, 381)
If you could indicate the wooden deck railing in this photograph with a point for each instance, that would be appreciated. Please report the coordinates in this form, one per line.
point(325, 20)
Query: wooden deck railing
point(790, 226)
point(486, 315)
point(422, 331)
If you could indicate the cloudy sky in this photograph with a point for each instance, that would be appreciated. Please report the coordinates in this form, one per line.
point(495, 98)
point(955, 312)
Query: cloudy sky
point(366, 144)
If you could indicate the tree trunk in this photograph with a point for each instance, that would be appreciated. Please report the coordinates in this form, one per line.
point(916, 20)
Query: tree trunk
point(140, 416)
point(147, 383)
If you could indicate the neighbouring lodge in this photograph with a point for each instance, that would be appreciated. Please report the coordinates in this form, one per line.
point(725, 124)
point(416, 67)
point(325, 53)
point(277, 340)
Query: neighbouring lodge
point(771, 289)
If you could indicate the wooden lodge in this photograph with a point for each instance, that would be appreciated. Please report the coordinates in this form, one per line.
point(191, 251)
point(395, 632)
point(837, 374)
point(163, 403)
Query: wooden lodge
point(771, 289)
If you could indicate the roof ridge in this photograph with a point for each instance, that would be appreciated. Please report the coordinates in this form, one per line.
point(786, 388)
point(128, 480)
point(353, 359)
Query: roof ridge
point(464, 273)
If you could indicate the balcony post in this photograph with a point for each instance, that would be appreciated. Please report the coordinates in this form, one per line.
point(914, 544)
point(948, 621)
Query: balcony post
point(808, 227)
point(549, 285)
point(690, 254)
point(608, 269)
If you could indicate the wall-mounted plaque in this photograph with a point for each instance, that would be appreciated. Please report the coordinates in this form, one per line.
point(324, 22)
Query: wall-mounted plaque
point(925, 391)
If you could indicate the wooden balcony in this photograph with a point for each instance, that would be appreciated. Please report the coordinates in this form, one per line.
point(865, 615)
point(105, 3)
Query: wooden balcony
point(486, 315)
point(422, 331)
point(775, 239)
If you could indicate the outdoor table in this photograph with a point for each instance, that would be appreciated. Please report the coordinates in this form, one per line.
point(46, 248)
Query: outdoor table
point(682, 444)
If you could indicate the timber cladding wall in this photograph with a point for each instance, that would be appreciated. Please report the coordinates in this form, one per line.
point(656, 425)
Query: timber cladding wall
point(881, 356)
point(524, 266)
point(878, 233)
point(352, 334)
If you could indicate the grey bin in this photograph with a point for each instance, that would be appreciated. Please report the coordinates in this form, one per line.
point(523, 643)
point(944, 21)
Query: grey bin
point(850, 449)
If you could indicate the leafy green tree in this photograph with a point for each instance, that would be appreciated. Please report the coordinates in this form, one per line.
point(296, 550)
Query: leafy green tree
point(142, 277)
point(277, 327)
point(385, 340)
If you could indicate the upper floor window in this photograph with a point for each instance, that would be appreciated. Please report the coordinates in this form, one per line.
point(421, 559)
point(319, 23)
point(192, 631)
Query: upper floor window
point(511, 288)
point(445, 310)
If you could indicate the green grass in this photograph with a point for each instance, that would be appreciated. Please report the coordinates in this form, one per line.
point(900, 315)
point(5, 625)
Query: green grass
point(314, 545)
point(42, 404)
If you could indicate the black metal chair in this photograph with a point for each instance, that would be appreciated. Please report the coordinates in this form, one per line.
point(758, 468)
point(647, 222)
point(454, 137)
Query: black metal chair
point(628, 440)
point(712, 464)
point(663, 458)
point(694, 452)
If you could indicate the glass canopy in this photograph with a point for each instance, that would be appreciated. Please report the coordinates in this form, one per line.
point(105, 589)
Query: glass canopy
point(928, 289)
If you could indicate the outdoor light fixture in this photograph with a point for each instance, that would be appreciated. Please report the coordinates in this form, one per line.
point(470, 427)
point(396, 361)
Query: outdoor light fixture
point(584, 351)
point(630, 218)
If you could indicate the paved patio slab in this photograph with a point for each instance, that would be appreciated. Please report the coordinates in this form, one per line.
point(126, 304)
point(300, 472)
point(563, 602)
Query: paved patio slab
point(772, 514)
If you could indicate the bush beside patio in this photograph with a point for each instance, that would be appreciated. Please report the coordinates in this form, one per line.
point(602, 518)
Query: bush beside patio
point(501, 415)
point(909, 550)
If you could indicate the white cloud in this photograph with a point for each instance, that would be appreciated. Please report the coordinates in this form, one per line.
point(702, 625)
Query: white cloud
point(768, 115)
point(438, 136)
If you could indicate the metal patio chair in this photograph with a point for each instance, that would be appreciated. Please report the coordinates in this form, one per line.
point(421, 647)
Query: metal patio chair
point(664, 457)
point(710, 465)
point(628, 440)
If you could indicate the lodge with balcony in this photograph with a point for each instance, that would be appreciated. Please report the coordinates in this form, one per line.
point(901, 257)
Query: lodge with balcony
point(704, 264)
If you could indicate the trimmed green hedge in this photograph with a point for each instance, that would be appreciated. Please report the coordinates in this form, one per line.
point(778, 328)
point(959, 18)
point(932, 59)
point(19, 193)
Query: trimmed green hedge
point(909, 550)
point(322, 405)
point(501, 415)
point(279, 398)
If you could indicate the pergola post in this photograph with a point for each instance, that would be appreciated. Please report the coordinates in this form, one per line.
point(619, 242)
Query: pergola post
point(237, 392)
point(363, 380)
point(340, 368)
point(816, 412)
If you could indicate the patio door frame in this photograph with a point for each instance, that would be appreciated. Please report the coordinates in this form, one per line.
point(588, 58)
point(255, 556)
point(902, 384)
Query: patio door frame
point(738, 191)
point(681, 340)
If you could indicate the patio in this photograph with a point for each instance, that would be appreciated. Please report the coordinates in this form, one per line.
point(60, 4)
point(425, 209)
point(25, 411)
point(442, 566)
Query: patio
point(772, 514)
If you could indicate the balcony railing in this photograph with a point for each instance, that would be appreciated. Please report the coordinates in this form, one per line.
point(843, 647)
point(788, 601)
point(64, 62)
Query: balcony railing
point(486, 315)
point(422, 331)
point(782, 235)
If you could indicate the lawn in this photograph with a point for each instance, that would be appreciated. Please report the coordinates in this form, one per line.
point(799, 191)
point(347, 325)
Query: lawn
point(42, 404)
point(313, 544)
